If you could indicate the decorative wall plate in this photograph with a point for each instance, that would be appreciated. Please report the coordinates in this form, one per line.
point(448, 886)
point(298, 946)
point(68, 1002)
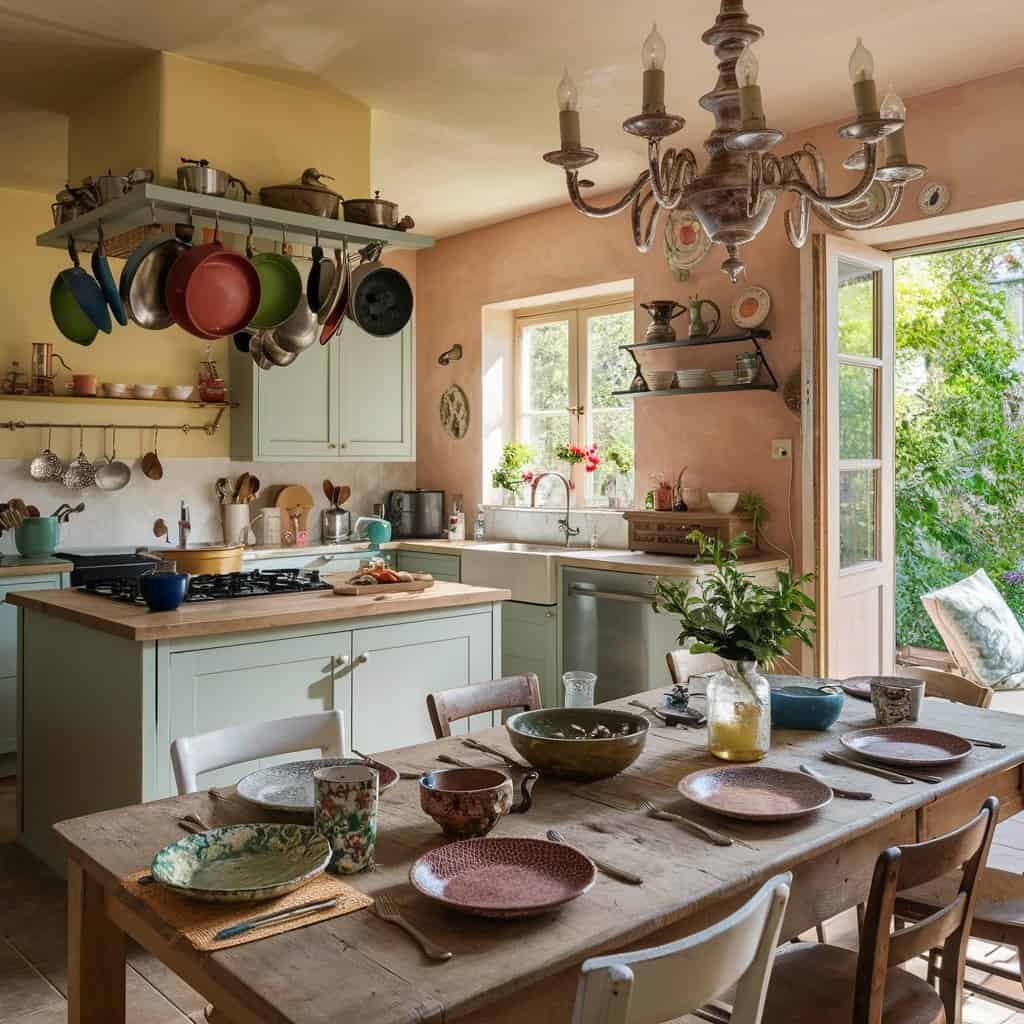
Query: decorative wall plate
point(686, 242)
point(751, 308)
point(933, 199)
point(455, 412)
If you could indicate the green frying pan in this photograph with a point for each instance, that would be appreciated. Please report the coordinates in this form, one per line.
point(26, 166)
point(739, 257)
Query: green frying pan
point(68, 315)
point(281, 290)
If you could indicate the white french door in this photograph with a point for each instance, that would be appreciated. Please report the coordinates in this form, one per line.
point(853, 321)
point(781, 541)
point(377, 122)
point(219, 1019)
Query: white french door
point(854, 458)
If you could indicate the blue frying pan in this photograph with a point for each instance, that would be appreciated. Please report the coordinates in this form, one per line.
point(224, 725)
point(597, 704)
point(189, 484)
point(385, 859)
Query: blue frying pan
point(101, 271)
point(85, 291)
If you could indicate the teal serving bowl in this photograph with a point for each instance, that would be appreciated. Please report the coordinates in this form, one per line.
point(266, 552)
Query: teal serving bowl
point(798, 703)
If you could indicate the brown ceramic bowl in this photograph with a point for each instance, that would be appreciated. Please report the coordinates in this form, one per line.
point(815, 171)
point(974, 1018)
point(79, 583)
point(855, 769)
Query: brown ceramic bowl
point(543, 738)
point(466, 802)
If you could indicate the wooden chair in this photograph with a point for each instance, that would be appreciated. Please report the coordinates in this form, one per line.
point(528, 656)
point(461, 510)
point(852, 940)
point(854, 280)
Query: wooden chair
point(460, 702)
point(950, 686)
point(192, 755)
point(821, 984)
point(666, 982)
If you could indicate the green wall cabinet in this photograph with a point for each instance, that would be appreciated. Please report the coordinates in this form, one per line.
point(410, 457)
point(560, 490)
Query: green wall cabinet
point(351, 400)
point(529, 643)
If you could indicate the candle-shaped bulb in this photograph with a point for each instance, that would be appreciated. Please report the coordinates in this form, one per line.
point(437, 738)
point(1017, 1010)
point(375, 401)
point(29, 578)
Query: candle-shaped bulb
point(567, 95)
point(652, 53)
point(892, 106)
point(862, 64)
point(747, 67)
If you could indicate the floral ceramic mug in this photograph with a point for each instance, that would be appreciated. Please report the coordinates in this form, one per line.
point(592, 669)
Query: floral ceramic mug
point(345, 813)
point(896, 699)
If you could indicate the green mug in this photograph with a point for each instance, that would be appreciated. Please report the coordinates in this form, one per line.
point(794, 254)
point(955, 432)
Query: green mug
point(37, 536)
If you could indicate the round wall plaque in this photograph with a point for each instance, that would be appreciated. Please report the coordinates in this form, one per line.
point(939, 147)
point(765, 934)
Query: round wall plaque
point(455, 412)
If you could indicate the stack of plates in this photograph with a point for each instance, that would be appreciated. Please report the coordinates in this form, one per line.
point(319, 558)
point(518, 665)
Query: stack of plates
point(660, 380)
point(691, 378)
point(723, 378)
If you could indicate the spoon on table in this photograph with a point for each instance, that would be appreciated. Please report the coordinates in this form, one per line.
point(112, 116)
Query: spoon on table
point(620, 874)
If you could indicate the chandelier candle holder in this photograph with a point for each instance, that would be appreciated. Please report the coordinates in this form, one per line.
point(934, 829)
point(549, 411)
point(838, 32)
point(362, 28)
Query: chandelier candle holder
point(733, 196)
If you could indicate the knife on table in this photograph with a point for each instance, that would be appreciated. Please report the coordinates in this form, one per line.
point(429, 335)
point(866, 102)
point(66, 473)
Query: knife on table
point(848, 794)
point(885, 773)
point(274, 918)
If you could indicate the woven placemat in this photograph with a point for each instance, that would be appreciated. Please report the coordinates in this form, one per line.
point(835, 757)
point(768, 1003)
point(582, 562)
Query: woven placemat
point(197, 922)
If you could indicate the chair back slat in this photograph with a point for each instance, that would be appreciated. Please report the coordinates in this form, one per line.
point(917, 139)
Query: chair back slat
point(950, 686)
point(460, 702)
point(650, 986)
point(931, 933)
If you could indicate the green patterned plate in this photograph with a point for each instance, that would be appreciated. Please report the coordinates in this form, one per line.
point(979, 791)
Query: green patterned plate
point(242, 863)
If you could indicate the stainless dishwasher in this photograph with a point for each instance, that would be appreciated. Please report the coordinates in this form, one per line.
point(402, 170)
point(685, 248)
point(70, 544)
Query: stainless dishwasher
point(609, 626)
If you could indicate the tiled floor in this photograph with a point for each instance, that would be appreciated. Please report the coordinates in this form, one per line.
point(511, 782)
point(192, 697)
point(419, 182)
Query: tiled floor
point(33, 946)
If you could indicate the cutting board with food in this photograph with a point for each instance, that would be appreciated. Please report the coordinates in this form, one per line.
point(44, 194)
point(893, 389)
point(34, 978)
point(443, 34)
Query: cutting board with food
point(382, 580)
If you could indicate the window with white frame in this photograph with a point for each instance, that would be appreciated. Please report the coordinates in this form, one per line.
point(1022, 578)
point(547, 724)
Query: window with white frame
point(568, 365)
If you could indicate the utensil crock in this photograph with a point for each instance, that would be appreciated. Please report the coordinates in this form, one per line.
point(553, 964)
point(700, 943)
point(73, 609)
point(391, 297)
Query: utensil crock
point(37, 537)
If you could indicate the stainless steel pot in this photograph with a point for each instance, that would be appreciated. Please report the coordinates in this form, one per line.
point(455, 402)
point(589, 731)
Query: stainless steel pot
point(110, 186)
point(199, 176)
point(308, 196)
point(376, 212)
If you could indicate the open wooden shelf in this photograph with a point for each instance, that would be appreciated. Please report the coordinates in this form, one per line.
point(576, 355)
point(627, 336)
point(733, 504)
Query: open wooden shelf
point(189, 403)
point(712, 339)
point(667, 392)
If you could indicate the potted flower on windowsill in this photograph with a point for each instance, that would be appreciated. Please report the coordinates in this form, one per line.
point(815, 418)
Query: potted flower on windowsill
point(619, 458)
point(510, 473)
point(749, 626)
point(574, 454)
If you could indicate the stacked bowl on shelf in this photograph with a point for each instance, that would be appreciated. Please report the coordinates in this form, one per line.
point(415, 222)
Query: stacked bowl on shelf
point(696, 378)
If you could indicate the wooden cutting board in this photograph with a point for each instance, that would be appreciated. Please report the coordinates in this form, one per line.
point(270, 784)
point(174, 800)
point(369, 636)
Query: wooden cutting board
point(356, 589)
point(291, 496)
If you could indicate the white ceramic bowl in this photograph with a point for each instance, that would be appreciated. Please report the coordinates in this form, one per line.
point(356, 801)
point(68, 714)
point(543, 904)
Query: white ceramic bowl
point(144, 390)
point(113, 390)
point(660, 380)
point(723, 502)
point(179, 392)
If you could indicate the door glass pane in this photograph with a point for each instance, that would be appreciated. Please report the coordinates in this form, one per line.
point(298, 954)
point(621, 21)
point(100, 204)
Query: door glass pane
point(858, 386)
point(610, 419)
point(858, 517)
point(856, 310)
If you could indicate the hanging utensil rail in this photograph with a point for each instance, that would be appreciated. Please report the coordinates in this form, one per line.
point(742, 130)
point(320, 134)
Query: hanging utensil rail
point(186, 428)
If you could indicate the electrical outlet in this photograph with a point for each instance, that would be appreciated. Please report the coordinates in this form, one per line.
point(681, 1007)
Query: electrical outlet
point(782, 448)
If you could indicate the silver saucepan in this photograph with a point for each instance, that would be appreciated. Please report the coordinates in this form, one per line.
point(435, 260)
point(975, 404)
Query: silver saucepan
point(199, 176)
point(376, 212)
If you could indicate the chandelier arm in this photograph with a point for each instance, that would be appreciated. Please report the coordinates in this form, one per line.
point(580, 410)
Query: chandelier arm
point(642, 238)
point(846, 221)
point(797, 182)
point(670, 173)
point(576, 198)
point(797, 222)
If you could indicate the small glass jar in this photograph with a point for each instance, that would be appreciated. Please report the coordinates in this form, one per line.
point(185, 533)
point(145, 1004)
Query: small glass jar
point(739, 712)
point(579, 689)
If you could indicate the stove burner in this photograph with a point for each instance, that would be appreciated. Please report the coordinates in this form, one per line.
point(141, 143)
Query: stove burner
point(218, 587)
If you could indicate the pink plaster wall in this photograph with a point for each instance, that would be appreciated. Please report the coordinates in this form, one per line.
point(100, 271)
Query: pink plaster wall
point(961, 133)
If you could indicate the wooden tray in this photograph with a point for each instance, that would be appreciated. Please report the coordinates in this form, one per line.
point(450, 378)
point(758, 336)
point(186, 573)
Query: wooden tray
point(353, 589)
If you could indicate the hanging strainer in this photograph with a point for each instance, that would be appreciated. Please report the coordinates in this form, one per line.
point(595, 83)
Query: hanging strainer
point(80, 473)
point(47, 464)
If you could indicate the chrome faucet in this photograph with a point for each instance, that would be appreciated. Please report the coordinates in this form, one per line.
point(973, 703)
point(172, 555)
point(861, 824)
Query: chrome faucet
point(563, 524)
point(184, 525)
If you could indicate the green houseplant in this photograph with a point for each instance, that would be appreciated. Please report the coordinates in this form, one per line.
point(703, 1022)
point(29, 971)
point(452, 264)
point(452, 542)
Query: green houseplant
point(749, 626)
point(509, 473)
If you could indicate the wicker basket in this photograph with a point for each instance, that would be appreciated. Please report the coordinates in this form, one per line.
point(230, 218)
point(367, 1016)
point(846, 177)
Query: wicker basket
point(665, 532)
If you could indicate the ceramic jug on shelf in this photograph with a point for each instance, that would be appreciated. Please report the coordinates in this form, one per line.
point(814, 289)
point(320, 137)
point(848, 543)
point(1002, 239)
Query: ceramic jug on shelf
point(698, 326)
point(662, 312)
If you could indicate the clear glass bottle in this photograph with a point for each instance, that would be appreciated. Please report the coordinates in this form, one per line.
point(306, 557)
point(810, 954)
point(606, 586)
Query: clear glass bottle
point(479, 528)
point(739, 712)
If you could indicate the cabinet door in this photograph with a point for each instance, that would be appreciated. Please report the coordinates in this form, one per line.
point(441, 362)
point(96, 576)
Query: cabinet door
point(298, 406)
point(395, 667)
point(9, 659)
point(253, 682)
point(441, 567)
point(377, 414)
point(529, 643)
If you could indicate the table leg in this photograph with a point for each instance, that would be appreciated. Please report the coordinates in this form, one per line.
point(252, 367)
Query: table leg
point(96, 954)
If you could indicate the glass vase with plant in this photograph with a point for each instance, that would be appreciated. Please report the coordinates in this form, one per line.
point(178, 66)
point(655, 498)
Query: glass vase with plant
point(619, 463)
point(510, 474)
point(749, 626)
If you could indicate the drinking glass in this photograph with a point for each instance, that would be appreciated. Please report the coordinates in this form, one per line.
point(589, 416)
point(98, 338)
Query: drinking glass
point(579, 689)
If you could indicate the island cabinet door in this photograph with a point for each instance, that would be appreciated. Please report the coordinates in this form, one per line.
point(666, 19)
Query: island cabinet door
point(395, 667)
point(252, 682)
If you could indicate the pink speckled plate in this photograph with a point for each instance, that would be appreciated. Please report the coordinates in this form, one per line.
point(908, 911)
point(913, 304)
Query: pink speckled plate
point(857, 686)
point(498, 877)
point(754, 793)
point(907, 746)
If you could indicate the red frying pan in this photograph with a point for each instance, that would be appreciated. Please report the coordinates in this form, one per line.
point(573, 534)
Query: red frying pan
point(212, 291)
point(336, 318)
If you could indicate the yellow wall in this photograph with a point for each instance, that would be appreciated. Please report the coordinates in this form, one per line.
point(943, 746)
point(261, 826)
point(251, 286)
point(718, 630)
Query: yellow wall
point(262, 131)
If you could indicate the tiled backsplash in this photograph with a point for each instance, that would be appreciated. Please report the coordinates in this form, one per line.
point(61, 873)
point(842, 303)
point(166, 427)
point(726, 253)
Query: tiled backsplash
point(125, 518)
point(540, 526)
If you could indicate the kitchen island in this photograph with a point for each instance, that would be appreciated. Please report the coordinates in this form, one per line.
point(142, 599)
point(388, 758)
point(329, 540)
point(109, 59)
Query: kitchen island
point(104, 687)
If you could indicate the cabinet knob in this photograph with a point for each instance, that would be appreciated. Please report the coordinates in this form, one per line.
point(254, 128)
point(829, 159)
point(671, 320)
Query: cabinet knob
point(331, 444)
point(344, 444)
point(549, 615)
point(343, 659)
point(362, 659)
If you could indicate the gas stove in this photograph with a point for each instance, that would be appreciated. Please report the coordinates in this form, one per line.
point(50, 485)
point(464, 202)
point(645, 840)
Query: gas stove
point(218, 587)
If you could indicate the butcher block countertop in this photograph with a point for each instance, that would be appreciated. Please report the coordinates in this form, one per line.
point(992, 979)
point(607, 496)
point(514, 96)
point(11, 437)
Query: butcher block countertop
point(242, 615)
point(12, 566)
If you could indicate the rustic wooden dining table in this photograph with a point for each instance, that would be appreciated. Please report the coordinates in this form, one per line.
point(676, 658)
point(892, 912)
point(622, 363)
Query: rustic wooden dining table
point(358, 967)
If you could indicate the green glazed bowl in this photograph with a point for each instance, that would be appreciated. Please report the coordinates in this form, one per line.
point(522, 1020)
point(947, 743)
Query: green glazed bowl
point(242, 863)
point(68, 315)
point(37, 536)
point(541, 737)
point(280, 290)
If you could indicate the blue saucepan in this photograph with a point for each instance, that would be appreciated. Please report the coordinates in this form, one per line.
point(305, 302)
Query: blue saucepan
point(105, 279)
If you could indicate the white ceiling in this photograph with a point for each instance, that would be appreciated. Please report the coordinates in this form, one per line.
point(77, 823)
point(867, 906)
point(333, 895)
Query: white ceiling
point(462, 92)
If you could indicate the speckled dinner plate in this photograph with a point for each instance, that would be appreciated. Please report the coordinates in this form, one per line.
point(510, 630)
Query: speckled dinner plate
point(242, 863)
point(755, 793)
point(496, 877)
point(907, 746)
point(289, 787)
